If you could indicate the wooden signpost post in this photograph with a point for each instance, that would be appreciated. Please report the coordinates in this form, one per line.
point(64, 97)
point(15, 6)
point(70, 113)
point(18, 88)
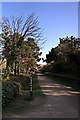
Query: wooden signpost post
point(31, 87)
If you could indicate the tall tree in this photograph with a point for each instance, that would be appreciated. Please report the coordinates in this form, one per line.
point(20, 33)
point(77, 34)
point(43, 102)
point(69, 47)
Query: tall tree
point(14, 33)
point(30, 55)
point(66, 54)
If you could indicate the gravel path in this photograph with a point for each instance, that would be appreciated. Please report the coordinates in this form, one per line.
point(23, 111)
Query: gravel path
point(58, 101)
point(61, 100)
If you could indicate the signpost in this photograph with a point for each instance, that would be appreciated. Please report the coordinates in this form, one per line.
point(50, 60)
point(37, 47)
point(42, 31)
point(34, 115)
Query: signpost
point(31, 73)
point(31, 87)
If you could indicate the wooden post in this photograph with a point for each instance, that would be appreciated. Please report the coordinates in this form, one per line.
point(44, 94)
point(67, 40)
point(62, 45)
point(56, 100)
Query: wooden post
point(18, 68)
point(31, 88)
point(15, 69)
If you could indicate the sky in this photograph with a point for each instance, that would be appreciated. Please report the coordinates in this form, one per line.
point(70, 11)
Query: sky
point(58, 19)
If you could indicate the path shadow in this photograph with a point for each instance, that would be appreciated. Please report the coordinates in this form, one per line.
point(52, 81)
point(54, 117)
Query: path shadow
point(62, 97)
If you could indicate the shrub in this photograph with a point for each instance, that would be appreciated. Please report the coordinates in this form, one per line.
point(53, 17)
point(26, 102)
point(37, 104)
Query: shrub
point(58, 67)
point(10, 90)
point(23, 80)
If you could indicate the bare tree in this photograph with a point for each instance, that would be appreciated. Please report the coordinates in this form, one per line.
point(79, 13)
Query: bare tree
point(26, 28)
point(14, 32)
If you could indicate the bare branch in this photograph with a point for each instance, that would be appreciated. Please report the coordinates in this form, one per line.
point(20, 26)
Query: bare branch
point(28, 28)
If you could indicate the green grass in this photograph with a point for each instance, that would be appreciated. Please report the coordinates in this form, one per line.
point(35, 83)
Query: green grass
point(36, 87)
point(22, 102)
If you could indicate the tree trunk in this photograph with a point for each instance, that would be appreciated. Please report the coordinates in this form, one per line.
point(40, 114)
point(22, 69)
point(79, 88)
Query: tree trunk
point(18, 68)
point(15, 69)
point(7, 70)
point(12, 69)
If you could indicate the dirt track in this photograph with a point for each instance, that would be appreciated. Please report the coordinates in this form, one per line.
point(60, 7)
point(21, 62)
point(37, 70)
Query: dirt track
point(58, 101)
point(62, 100)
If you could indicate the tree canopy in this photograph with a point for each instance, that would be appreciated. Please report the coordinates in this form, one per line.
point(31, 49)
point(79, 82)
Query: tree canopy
point(20, 42)
point(65, 55)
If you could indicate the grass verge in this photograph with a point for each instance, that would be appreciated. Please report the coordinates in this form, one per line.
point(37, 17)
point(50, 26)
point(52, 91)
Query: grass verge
point(64, 81)
point(22, 103)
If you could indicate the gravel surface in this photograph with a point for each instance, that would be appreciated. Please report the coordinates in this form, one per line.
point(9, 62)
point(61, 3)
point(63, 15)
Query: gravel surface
point(58, 101)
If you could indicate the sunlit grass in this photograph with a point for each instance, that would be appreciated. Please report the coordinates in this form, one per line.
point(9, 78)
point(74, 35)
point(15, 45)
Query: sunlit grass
point(36, 87)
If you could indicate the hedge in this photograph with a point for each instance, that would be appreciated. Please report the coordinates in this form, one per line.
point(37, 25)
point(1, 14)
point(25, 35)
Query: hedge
point(10, 90)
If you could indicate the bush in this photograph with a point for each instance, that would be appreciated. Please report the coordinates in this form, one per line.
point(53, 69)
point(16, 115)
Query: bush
point(10, 90)
point(23, 80)
point(58, 67)
point(25, 83)
point(46, 68)
point(13, 87)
